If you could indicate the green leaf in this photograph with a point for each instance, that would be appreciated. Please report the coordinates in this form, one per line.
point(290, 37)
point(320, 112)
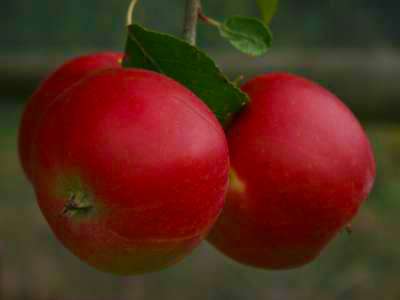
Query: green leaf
point(249, 35)
point(268, 9)
point(186, 64)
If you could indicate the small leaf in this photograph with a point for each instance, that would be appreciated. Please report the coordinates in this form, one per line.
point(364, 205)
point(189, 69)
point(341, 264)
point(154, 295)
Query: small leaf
point(186, 64)
point(249, 35)
point(268, 9)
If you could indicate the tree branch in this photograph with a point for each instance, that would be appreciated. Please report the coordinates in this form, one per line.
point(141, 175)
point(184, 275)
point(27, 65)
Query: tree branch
point(190, 21)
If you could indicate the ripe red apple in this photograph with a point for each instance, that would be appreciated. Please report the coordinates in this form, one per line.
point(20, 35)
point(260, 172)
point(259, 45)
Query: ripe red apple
point(301, 167)
point(64, 77)
point(131, 170)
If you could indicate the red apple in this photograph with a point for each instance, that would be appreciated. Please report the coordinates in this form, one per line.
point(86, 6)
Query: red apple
point(63, 78)
point(301, 167)
point(131, 170)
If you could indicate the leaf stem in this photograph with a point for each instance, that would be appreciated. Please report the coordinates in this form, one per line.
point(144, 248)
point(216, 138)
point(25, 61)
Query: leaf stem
point(190, 21)
point(208, 20)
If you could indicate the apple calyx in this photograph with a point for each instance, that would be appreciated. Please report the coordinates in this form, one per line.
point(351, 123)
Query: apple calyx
point(349, 229)
point(78, 203)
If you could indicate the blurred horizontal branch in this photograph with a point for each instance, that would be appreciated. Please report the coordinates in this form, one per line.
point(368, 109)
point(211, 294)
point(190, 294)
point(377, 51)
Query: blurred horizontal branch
point(367, 80)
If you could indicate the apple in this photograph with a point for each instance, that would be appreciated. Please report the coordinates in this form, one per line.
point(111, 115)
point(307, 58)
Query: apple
point(64, 77)
point(301, 166)
point(131, 170)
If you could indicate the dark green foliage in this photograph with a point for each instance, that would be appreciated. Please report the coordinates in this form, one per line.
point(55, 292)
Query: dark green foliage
point(186, 64)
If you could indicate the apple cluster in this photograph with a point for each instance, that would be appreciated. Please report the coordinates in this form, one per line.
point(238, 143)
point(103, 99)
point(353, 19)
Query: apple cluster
point(132, 170)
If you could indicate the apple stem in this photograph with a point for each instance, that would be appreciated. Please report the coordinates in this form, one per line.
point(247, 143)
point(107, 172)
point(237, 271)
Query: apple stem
point(193, 8)
point(129, 16)
point(192, 12)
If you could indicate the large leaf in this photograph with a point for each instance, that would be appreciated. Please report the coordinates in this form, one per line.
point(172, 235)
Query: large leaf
point(186, 64)
point(248, 35)
point(268, 9)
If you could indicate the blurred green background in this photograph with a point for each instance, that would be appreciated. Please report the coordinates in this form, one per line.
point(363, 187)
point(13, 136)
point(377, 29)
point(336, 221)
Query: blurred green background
point(352, 47)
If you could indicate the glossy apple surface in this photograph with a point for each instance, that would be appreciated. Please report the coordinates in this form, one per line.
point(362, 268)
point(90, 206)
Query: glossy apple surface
point(301, 167)
point(131, 171)
point(63, 78)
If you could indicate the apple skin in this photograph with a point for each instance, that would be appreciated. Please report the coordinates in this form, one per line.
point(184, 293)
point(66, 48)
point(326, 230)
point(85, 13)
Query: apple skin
point(301, 167)
point(145, 163)
point(64, 77)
